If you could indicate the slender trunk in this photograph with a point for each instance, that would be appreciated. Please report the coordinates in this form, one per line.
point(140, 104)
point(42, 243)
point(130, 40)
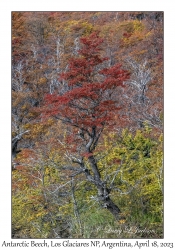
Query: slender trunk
point(103, 191)
point(76, 211)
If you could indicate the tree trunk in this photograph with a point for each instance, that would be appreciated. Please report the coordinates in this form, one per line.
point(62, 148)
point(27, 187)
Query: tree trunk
point(103, 191)
point(111, 207)
point(106, 202)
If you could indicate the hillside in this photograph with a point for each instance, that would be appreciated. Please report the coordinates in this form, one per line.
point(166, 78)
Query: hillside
point(87, 124)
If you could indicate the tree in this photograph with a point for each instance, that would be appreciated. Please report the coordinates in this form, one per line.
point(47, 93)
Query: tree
point(37, 201)
point(49, 191)
point(88, 106)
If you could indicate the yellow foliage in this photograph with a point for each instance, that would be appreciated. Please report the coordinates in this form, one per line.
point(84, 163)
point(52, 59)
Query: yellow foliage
point(138, 26)
point(122, 221)
point(88, 27)
point(42, 80)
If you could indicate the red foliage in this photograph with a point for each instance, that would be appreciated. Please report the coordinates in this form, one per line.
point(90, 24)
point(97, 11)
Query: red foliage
point(126, 35)
point(91, 100)
point(87, 155)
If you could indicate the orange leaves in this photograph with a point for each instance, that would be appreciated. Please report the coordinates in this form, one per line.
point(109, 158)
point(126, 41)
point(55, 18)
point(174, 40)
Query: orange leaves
point(26, 154)
point(42, 80)
point(132, 39)
point(87, 155)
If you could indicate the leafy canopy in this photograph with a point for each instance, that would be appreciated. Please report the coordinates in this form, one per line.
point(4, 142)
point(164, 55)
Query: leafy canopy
point(91, 98)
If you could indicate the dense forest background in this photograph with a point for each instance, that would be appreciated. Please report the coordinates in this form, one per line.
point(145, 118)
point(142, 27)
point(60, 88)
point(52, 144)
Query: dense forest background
point(79, 170)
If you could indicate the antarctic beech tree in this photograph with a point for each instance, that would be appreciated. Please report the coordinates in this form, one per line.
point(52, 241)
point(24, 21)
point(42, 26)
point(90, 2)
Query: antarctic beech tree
point(88, 105)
